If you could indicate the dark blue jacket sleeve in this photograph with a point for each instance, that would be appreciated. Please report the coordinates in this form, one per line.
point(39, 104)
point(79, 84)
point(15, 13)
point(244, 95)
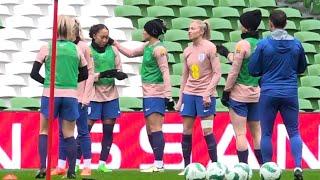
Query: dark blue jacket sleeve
point(255, 63)
point(302, 63)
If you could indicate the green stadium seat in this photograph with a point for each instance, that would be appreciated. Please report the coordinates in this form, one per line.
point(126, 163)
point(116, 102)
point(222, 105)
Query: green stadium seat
point(310, 51)
point(175, 93)
point(3, 105)
point(267, 4)
point(174, 4)
point(238, 4)
point(137, 35)
point(291, 27)
point(222, 25)
point(132, 12)
point(182, 23)
point(223, 59)
point(220, 107)
point(123, 109)
point(207, 4)
point(173, 47)
point(130, 103)
point(306, 36)
point(177, 35)
point(315, 7)
point(143, 4)
point(193, 12)
point(310, 25)
point(229, 13)
point(317, 59)
point(305, 105)
point(177, 69)
point(314, 70)
point(225, 69)
point(161, 12)
point(230, 46)
point(235, 36)
point(21, 103)
point(175, 80)
point(222, 82)
point(171, 59)
point(308, 93)
point(143, 21)
point(310, 81)
point(217, 37)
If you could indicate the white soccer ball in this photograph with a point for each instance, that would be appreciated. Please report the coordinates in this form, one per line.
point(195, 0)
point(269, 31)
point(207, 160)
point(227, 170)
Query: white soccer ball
point(270, 171)
point(195, 171)
point(216, 171)
point(236, 174)
point(244, 167)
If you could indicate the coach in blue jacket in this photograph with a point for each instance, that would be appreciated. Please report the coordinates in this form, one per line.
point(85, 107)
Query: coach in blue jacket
point(278, 59)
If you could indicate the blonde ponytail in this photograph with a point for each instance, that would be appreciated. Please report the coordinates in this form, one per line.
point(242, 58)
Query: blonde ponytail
point(205, 27)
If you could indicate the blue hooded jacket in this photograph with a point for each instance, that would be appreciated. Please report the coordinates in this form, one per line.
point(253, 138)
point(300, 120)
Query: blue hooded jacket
point(278, 59)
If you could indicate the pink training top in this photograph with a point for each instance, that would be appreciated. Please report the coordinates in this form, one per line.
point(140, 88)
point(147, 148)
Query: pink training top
point(201, 72)
point(103, 93)
point(240, 92)
point(41, 56)
point(160, 53)
point(85, 88)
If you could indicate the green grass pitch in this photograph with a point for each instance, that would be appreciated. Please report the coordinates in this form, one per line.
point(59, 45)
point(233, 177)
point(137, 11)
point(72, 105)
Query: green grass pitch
point(136, 175)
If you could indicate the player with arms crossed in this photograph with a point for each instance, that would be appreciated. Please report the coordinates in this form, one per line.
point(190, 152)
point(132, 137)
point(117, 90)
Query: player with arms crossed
point(241, 93)
point(201, 74)
point(156, 86)
point(71, 68)
point(278, 59)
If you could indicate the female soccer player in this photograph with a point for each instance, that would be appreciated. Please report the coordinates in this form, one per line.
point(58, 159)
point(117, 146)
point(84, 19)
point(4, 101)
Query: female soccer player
point(69, 59)
point(200, 77)
point(243, 88)
point(105, 102)
point(155, 84)
point(85, 89)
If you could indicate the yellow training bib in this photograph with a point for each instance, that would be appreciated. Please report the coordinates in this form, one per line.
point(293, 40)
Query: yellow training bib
point(195, 71)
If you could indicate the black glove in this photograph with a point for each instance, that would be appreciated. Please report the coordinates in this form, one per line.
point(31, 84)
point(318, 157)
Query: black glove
point(110, 41)
point(169, 104)
point(225, 98)
point(108, 73)
point(121, 75)
point(223, 51)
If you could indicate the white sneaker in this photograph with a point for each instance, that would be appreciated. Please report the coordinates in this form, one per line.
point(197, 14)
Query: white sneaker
point(181, 173)
point(152, 169)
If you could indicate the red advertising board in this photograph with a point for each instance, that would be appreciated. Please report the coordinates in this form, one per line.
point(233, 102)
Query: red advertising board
point(131, 149)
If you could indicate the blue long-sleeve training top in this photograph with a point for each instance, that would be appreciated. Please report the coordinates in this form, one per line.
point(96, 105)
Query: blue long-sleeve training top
point(278, 59)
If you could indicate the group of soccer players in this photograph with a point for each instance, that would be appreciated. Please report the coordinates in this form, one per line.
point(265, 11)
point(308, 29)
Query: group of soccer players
point(262, 81)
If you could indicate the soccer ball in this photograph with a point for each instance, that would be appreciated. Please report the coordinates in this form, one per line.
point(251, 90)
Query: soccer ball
point(270, 171)
point(216, 171)
point(245, 167)
point(236, 174)
point(195, 171)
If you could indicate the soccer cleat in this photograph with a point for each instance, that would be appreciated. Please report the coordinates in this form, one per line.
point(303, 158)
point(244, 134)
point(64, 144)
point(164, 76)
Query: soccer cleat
point(103, 168)
point(41, 174)
point(58, 171)
point(69, 176)
point(298, 174)
point(152, 169)
point(181, 173)
point(86, 172)
point(77, 169)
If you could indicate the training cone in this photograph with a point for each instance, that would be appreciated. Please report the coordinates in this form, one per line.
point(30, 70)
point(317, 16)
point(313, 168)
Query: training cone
point(10, 177)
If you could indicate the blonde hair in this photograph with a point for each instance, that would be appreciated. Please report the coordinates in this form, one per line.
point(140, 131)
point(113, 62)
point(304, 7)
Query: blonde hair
point(205, 27)
point(78, 30)
point(66, 28)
